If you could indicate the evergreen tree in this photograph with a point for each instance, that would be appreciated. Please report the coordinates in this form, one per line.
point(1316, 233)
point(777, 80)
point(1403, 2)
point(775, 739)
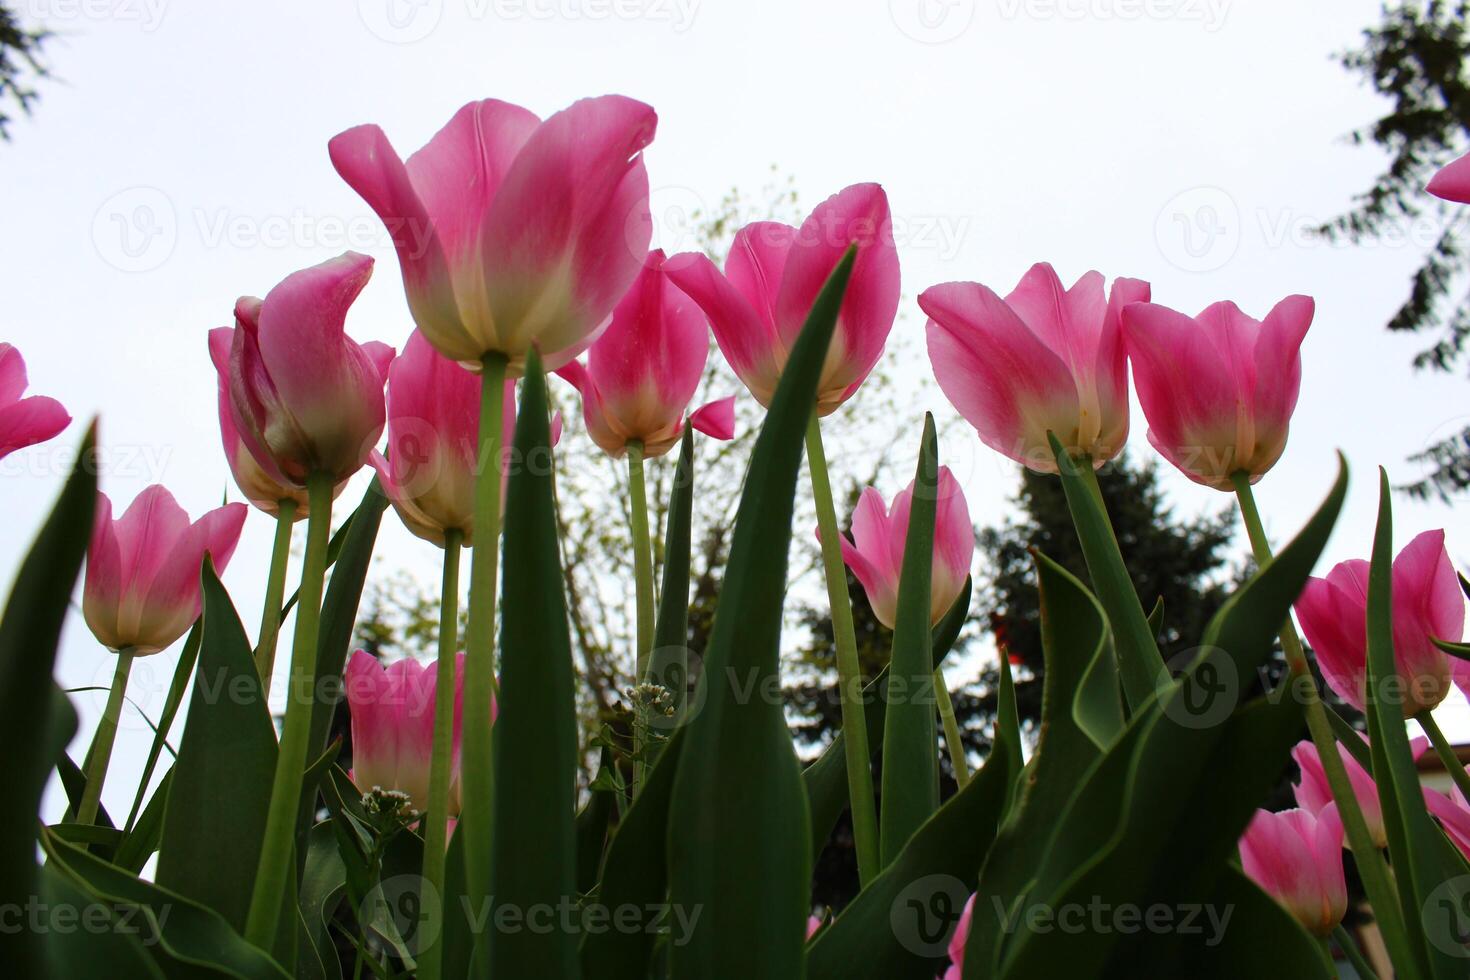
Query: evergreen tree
point(20, 65)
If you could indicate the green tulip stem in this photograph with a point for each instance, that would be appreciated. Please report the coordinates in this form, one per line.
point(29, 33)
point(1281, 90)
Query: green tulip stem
point(952, 738)
point(275, 592)
point(849, 674)
point(643, 582)
point(101, 751)
point(436, 821)
point(1445, 751)
point(275, 867)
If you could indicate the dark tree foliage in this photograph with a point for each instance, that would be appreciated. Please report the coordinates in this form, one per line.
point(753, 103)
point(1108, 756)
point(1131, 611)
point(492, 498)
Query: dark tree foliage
point(1415, 57)
point(20, 65)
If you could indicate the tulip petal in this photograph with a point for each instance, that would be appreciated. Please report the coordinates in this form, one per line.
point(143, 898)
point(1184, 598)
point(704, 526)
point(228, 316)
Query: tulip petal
point(30, 421)
point(12, 375)
point(1452, 181)
point(748, 343)
point(1278, 374)
point(715, 419)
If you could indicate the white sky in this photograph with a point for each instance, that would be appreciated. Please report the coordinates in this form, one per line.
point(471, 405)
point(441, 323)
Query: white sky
point(1089, 133)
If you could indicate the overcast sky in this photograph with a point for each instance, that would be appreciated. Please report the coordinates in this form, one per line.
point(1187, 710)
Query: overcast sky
point(179, 160)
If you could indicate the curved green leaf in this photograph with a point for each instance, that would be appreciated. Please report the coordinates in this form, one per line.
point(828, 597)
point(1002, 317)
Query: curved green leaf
point(592, 824)
point(668, 664)
point(740, 852)
point(112, 951)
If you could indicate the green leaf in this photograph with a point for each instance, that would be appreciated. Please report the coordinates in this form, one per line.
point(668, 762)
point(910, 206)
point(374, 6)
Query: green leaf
point(185, 931)
point(635, 875)
point(534, 848)
point(1413, 837)
point(183, 670)
point(826, 778)
point(323, 882)
point(910, 754)
point(1139, 661)
point(592, 824)
point(1259, 939)
point(147, 832)
point(74, 782)
point(112, 951)
point(221, 787)
point(1073, 639)
point(668, 664)
point(33, 712)
point(1460, 651)
point(740, 852)
point(897, 926)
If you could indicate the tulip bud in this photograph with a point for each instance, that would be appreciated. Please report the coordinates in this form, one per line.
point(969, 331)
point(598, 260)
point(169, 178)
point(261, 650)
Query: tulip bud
point(1218, 390)
point(1314, 793)
point(1044, 359)
point(24, 421)
point(1427, 605)
point(1296, 858)
point(392, 713)
point(643, 370)
point(142, 586)
point(304, 398)
point(772, 277)
point(879, 534)
point(512, 232)
point(1452, 182)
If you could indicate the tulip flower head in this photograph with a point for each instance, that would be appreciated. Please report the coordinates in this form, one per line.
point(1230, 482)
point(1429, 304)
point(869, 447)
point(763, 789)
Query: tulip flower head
point(879, 533)
point(512, 232)
point(1218, 390)
point(433, 441)
point(772, 277)
point(142, 587)
point(958, 940)
point(304, 397)
point(643, 370)
point(1314, 794)
point(1043, 359)
point(1296, 858)
point(24, 421)
point(392, 712)
point(1452, 182)
point(1427, 605)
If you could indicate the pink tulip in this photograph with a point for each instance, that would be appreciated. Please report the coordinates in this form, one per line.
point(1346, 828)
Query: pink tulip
point(1296, 858)
point(1218, 390)
point(433, 448)
point(304, 397)
point(1453, 814)
point(1314, 793)
point(879, 533)
point(1452, 182)
point(1044, 359)
point(512, 232)
point(772, 277)
point(24, 421)
point(1427, 605)
point(813, 925)
point(142, 586)
point(958, 940)
point(392, 712)
point(643, 370)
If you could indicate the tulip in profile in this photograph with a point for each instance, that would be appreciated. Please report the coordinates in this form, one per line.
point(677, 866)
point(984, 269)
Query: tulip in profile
point(1218, 389)
point(512, 232)
point(1314, 793)
point(643, 370)
point(1296, 858)
point(1043, 359)
point(24, 421)
point(142, 584)
point(392, 712)
point(1452, 182)
point(433, 439)
point(1427, 605)
point(875, 553)
point(304, 397)
point(772, 277)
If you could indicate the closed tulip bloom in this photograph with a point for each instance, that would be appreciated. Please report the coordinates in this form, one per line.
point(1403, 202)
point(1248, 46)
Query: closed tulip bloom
point(1043, 359)
point(1296, 858)
point(142, 586)
point(24, 421)
point(643, 370)
point(1427, 605)
point(772, 277)
point(392, 712)
point(304, 397)
point(875, 554)
point(1218, 390)
point(1452, 182)
point(512, 232)
point(433, 441)
point(1314, 793)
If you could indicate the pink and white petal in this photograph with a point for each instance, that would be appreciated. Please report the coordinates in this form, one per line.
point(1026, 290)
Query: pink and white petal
point(715, 419)
point(1186, 387)
point(1426, 589)
point(12, 375)
point(102, 591)
point(374, 737)
point(757, 263)
point(1335, 626)
point(880, 587)
point(748, 344)
point(954, 536)
point(1278, 374)
point(30, 421)
point(1452, 181)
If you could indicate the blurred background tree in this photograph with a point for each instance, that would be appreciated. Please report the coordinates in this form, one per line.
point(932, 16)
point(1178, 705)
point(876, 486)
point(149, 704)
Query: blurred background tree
point(1415, 58)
